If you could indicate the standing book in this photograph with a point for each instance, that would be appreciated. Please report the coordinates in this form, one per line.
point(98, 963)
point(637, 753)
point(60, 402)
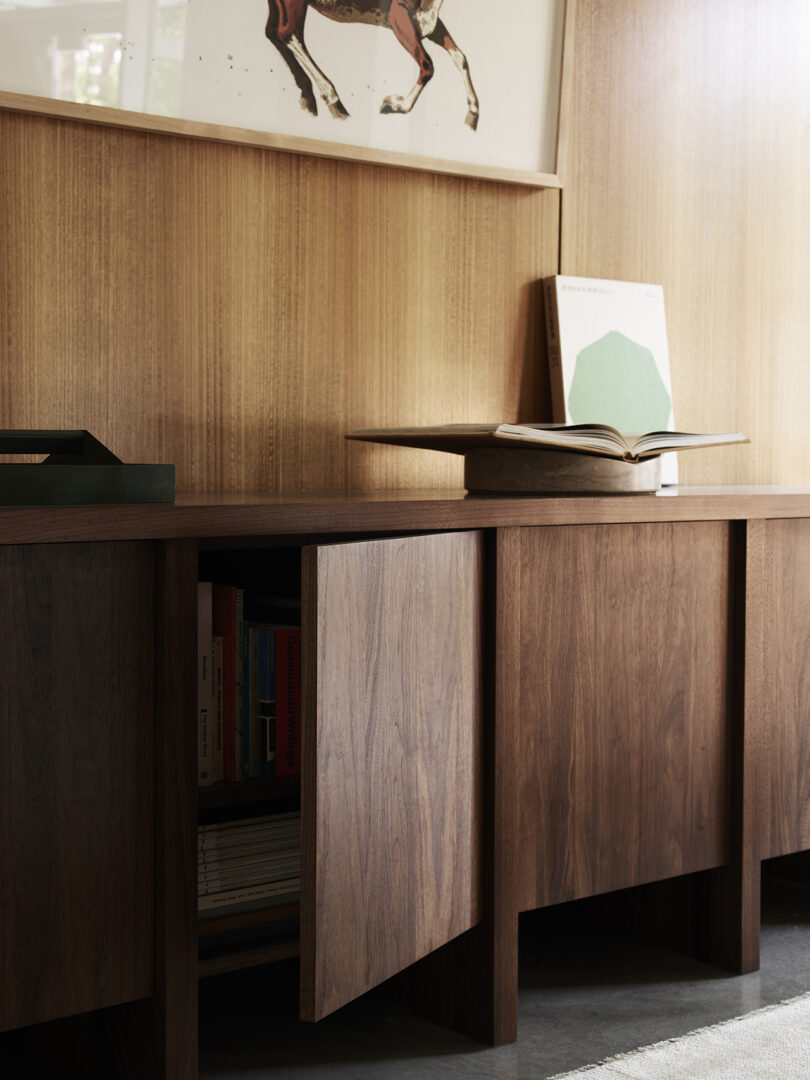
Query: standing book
point(228, 608)
point(609, 356)
point(288, 701)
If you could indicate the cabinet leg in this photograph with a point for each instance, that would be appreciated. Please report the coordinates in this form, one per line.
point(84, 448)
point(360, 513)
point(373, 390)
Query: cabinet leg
point(470, 985)
point(734, 918)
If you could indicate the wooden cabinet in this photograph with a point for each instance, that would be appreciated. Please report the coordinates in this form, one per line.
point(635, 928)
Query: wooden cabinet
point(507, 703)
point(391, 790)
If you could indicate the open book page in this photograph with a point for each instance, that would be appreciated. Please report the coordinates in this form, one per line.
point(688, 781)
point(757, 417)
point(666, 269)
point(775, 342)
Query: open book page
point(581, 438)
point(657, 442)
point(598, 438)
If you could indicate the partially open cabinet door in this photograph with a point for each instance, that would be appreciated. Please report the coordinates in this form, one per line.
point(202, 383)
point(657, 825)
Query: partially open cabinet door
point(391, 758)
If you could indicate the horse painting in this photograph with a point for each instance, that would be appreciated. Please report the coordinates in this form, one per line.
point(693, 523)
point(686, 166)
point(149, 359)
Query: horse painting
point(412, 21)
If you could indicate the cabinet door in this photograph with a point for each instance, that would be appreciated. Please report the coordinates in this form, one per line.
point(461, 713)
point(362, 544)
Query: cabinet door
point(624, 725)
point(778, 690)
point(391, 758)
point(77, 656)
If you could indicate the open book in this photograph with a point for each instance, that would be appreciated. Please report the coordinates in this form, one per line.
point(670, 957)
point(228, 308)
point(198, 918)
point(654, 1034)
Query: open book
point(580, 438)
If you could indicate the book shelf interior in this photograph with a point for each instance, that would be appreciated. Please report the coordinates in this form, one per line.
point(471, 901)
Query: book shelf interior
point(251, 933)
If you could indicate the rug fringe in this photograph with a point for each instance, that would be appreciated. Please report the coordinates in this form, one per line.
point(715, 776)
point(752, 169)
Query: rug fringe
point(689, 1034)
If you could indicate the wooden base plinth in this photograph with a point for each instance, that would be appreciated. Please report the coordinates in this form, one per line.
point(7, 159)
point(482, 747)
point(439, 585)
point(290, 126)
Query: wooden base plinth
point(525, 470)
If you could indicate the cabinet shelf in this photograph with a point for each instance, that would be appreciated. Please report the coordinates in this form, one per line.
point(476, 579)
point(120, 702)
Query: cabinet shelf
point(226, 923)
point(247, 791)
point(249, 954)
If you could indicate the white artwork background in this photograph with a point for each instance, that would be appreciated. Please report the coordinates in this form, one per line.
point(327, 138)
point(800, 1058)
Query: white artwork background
point(230, 74)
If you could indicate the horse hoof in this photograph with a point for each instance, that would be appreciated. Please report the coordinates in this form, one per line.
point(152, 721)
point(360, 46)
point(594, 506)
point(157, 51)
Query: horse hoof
point(472, 120)
point(338, 110)
point(393, 104)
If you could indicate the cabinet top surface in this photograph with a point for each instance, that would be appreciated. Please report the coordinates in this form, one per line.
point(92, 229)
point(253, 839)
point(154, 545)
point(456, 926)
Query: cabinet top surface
point(219, 515)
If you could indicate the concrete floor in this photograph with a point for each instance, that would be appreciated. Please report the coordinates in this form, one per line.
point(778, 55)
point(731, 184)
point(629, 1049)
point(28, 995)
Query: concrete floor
point(583, 996)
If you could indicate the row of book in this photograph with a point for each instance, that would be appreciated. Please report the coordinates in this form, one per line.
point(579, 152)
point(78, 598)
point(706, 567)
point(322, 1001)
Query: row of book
point(248, 864)
point(248, 686)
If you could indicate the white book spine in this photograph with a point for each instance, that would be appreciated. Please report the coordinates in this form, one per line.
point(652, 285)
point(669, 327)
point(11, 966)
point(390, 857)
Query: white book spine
point(245, 895)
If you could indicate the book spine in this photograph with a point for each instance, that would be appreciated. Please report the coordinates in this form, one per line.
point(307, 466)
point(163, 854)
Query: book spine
point(288, 702)
point(217, 768)
point(205, 681)
point(224, 627)
point(266, 693)
point(246, 700)
point(216, 861)
point(254, 717)
point(555, 369)
point(243, 895)
point(239, 618)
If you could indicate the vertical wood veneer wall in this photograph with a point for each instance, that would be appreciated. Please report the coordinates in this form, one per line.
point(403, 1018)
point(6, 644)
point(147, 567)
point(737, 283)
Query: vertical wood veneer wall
point(235, 311)
point(689, 165)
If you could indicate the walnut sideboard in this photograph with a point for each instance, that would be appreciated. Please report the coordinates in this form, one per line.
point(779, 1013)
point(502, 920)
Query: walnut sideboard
point(508, 703)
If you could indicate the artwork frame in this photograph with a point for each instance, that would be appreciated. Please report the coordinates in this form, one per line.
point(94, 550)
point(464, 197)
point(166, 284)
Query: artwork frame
point(14, 101)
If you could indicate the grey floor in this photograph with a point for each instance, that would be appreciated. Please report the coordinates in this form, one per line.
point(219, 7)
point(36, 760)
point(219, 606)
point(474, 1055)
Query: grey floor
point(583, 996)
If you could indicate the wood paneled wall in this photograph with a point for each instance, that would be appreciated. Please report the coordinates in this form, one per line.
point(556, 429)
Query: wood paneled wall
point(237, 310)
point(688, 165)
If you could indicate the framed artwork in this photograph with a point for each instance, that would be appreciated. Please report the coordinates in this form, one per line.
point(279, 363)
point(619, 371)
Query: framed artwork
point(468, 87)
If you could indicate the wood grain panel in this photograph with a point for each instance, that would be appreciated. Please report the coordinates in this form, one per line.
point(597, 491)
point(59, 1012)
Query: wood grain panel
point(782, 662)
point(471, 983)
point(624, 728)
point(392, 759)
point(173, 1021)
point(687, 165)
point(236, 311)
point(76, 778)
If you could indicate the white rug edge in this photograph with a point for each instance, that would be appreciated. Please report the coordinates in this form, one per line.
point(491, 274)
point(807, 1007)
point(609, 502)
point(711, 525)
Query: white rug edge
point(677, 1038)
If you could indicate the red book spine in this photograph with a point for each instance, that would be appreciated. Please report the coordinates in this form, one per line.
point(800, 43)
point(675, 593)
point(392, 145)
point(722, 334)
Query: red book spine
point(288, 702)
point(224, 626)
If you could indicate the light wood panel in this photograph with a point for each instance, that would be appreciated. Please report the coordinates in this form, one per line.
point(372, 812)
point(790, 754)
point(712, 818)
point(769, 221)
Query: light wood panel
point(98, 114)
point(392, 747)
point(623, 706)
point(780, 656)
point(236, 311)
point(687, 165)
point(77, 648)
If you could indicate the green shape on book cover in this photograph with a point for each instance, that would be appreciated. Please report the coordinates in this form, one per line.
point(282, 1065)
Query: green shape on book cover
point(616, 381)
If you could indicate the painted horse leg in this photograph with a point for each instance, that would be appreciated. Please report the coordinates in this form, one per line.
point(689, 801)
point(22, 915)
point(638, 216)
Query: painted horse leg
point(285, 28)
point(400, 19)
point(441, 36)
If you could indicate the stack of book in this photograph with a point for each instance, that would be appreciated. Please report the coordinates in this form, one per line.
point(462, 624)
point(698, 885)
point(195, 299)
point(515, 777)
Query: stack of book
point(248, 864)
point(249, 695)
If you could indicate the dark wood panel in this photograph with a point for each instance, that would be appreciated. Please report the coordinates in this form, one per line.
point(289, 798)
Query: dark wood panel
point(782, 662)
point(624, 728)
point(392, 758)
point(471, 983)
point(77, 655)
point(237, 516)
point(175, 1002)
point(731, 913)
